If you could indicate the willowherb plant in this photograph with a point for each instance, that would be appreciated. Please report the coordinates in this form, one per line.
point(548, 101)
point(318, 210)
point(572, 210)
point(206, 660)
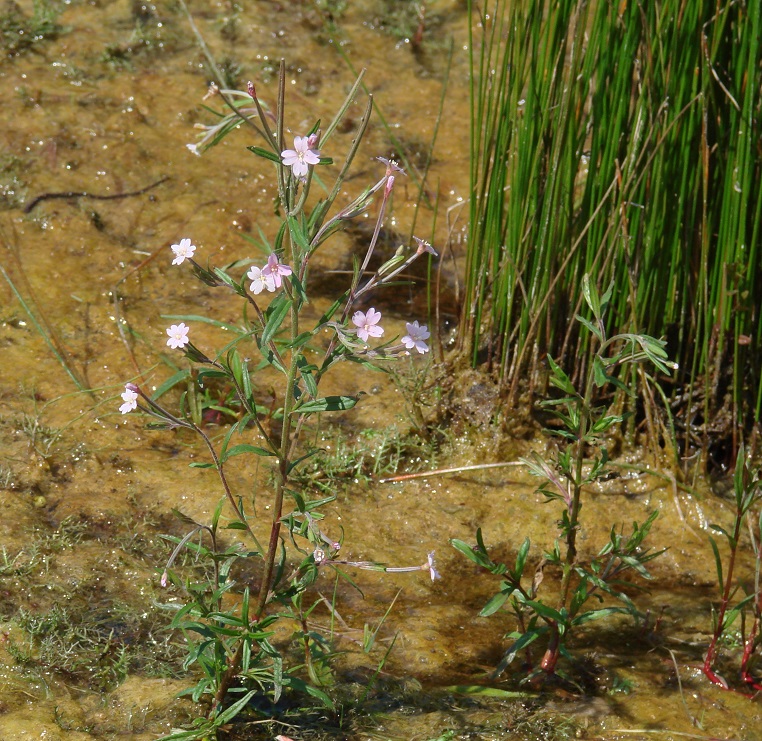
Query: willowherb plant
point(232, 645)
point(747, 494)
point(565, 478)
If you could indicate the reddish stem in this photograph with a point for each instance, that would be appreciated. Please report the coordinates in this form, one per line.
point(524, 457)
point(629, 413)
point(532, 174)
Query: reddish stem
point(719, 630)
point(550, 658)
point(748, 652)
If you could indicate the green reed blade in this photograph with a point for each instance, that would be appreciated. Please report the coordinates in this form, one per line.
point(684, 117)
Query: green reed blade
point(620, 140)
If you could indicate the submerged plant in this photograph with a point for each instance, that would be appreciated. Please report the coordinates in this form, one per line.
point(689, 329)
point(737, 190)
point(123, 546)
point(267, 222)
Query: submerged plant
point(19, 32)
point(565, 478)
point(747, 495)
point(229, 631)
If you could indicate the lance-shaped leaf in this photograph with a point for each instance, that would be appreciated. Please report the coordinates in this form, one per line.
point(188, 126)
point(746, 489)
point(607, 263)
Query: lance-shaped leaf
point(327, 404)
point(275, 313)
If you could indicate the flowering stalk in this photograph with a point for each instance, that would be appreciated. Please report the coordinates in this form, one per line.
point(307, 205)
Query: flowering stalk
point(383, 277)
point(373, 566)
point(239, 649)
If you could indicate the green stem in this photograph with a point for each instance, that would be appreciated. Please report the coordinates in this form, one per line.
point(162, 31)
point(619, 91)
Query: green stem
point(228, 492)
point(283, 462)
point(550, 659)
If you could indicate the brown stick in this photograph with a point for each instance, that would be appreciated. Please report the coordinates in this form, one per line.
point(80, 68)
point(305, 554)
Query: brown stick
point(83, 194)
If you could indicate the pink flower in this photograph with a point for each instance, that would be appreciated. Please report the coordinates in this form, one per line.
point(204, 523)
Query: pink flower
point(275, 270)
point(415, 337)
point(178, 335)
point(367, 324)
point(183, 251)
point(391, 165)
point(260, 281)
point(424, 246)
point(433, 573)
point(130, 399)
point(300, 156)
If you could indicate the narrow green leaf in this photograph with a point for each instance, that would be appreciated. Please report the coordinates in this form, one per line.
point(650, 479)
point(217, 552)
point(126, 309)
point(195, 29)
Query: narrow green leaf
point(204, 320)
point(717, 561)
point(496, 602)
point(266, 153)
point(298, 235)
point(478, 690)
point(327, 404)
point(543, 610)
point(560, 380)
point(592, 299)
point(229, 713)
point(521, 643)
point(302, 686)
point(472, 554)
point(590, 615)
point(245, 448)
point(171, 382)
point(276, 313)
point(599, 373)
point(592, 327)
point(521, 558)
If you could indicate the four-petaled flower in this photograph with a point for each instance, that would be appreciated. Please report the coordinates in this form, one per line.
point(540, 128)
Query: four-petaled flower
point(300, 156)
point(259, 280)
point(183, 251)
point(275, 270)
point(367, 324)
point(415, 337)
point(432, 568)
point(130, 398)
point(178, 336)
point(424, 246)
point(391, 165)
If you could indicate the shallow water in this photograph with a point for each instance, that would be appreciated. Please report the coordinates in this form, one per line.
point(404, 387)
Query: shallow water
point(107, 107)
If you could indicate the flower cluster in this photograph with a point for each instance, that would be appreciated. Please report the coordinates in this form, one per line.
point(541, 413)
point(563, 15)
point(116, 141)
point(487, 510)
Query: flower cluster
point(367, 323)
point(269, 277)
